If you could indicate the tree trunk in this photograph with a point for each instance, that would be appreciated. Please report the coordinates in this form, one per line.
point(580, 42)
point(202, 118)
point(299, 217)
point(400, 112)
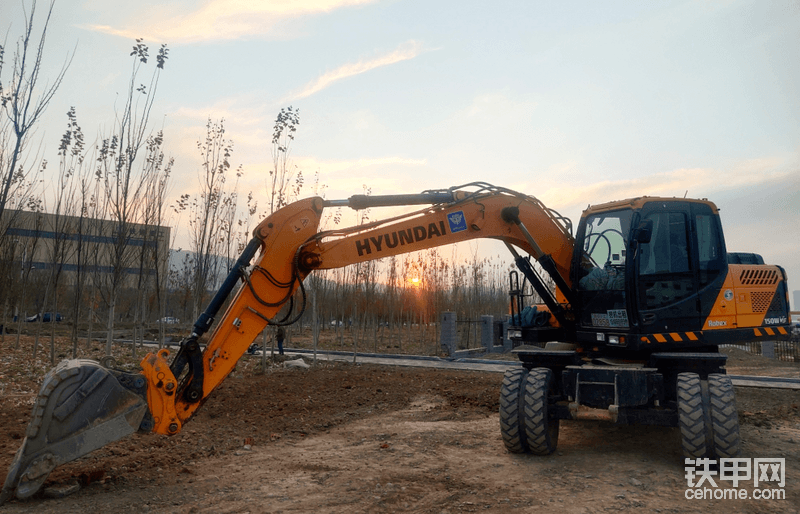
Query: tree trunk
point(89, 333)
point(39, 323)
point(374, 334)
point(3, 322)
point(110, 324)
point(53, 318)
point(314, 324)
point(400, 332)
point(355, 336)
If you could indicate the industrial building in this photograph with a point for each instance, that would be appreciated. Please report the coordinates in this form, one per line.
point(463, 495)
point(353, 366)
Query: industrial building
point(41, 241)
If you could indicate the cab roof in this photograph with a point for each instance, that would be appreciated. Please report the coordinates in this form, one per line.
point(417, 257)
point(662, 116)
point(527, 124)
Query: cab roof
point(639, 201)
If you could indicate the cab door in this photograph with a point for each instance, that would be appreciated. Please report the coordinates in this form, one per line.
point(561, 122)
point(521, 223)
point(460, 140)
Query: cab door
point(710, 256)
point(666, 284)
point(599, 271)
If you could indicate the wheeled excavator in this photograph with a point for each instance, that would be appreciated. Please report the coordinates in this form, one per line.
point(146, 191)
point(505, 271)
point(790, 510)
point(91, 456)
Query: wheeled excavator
point(633, 308)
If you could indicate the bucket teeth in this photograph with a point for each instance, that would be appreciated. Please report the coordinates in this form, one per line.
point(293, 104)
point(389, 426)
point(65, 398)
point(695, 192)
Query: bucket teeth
point(81, 406)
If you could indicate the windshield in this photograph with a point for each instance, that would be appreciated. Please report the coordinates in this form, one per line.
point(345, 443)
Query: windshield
point(604, 250)
point(605, 238)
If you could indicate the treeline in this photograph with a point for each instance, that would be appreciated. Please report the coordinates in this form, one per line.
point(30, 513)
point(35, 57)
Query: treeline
point(88, 237)
point(415, 288)
point(67, 259)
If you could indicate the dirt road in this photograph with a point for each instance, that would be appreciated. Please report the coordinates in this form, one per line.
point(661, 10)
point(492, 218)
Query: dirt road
point(358, 438)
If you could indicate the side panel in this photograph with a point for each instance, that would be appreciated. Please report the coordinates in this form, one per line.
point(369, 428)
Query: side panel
point(750, 307)
point(752, 296)
point(721, 312)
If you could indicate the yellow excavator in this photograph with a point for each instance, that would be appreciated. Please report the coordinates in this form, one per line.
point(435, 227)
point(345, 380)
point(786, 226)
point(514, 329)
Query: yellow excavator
point(634, 307)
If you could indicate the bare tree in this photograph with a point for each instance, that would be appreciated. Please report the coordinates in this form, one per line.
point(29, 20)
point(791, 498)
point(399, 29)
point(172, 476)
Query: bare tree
point(22, 103)
point(84, 226)
point(211, 212)
point(61, 219)
point(280, 188)
point(124, 180)
point(155, 175)
point(97, 209)
point(157, 193)
point(14, 243)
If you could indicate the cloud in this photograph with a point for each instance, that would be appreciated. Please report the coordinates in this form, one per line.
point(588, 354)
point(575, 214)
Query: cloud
point(342, 178)
point(246, 112)
point(690, 182)
point(309, 163)
point(404, 52)
point(221, 19)
point(339, 177)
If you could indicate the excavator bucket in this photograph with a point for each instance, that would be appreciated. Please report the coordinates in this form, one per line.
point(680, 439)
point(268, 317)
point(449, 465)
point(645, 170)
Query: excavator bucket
point(81, 406)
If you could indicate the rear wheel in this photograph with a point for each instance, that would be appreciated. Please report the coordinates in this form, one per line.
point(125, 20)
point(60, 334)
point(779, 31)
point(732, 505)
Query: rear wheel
point(691, 416)
point(541, 432)
point(724, 418)
point(511, 427)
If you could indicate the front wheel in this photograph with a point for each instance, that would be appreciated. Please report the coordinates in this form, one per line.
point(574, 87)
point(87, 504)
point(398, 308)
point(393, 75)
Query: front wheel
point(692, 416)
point(541, 431)
point(724, 417)
point(511, 428)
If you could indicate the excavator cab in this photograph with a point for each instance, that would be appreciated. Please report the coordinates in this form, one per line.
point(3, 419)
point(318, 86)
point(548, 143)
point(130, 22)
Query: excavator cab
point(653, 274)
point(647, 265)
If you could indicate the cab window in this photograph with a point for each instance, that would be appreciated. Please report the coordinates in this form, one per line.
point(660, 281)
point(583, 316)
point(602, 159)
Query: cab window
point(604, 251)
point(709, 247)
point(668, 249)
point(664, 262)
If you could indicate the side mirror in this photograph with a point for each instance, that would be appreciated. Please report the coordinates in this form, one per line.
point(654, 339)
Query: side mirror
point(643, 232)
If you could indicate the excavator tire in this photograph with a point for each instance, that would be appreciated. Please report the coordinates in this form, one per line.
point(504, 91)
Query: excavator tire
point(511, 426)
point(692, 416)
point(724, 417)
point(541, 432)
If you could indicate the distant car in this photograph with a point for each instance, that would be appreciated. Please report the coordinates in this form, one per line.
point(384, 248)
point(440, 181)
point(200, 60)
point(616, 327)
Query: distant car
point(169, 320)
point(336, 323)
point(47, 317)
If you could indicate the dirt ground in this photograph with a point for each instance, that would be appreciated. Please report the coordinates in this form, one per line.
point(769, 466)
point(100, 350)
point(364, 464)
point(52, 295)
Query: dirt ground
point(362, 438)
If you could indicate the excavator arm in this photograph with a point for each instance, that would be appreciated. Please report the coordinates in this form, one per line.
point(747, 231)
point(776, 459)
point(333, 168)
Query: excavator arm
point(82, 406)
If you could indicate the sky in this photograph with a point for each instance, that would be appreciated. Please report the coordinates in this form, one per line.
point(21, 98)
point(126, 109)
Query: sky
point(574, 102)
